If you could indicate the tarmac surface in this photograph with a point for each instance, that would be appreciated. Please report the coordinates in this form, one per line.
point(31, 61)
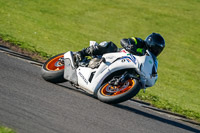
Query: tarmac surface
point(28, 104)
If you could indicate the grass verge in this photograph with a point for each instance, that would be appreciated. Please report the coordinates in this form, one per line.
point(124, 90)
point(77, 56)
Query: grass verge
point(6, 130)
point(166, 105)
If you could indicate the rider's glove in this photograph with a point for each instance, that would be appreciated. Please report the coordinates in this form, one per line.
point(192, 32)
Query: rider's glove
point(128, 45)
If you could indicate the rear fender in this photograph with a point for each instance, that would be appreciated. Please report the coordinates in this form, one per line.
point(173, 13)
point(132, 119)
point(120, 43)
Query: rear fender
point(70, 70)
point(69, 55)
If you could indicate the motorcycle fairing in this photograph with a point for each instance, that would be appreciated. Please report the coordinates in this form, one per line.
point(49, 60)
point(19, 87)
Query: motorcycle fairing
point(92, 79)
point(114, 62)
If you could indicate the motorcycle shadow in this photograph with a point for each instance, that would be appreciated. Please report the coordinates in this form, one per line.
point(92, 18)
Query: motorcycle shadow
point(157, 118)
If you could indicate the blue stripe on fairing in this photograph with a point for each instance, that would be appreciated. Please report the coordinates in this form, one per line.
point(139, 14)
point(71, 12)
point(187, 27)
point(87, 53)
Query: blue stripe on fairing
point(132, 58)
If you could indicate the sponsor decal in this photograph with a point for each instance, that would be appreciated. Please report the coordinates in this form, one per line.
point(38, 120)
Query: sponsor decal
point(129, 58)
point(124, 51)
point(84, 79)
point(123, 60)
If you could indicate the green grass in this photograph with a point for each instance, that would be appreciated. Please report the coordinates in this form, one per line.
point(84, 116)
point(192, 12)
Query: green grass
point(6, 130)
point(55, 26)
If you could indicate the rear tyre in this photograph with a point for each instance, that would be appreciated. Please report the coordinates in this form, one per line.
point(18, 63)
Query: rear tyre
point(113, 94)
point(53, 69)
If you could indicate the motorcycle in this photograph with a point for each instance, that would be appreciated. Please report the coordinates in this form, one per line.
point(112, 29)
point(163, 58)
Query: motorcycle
point(112, 78)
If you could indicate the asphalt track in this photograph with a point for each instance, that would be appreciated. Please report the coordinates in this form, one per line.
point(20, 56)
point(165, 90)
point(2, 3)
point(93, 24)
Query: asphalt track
point(28, 104)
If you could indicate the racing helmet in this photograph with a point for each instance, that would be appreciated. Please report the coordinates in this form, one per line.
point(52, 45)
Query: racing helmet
point(155, 43)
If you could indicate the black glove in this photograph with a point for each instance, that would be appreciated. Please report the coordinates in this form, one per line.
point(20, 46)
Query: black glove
point(129, 45)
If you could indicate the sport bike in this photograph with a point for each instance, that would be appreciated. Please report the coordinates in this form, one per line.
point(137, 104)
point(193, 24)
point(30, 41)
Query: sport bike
point(112, 78)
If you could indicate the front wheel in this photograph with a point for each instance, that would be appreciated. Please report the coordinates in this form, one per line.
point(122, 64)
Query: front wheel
point(116, 94)
point(53, 69)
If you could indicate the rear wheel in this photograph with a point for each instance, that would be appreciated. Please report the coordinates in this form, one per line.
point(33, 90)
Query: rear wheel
point(116, 94)
point(53, 69)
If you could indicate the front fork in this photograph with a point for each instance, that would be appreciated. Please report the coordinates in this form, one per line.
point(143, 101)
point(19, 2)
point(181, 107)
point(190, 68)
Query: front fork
point(119, 81)
point(116, 81)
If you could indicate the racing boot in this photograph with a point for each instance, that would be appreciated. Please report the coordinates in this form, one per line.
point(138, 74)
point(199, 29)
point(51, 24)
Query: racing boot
point(79, 56)
point(100, 49)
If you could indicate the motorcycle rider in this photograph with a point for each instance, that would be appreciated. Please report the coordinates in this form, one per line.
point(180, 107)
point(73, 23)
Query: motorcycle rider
point(154, 42)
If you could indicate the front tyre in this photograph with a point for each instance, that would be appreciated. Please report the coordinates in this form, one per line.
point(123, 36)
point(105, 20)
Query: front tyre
point(116, 94)
point(53, 69)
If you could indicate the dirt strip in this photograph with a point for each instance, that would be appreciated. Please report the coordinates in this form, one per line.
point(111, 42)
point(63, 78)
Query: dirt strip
point(13, 47)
